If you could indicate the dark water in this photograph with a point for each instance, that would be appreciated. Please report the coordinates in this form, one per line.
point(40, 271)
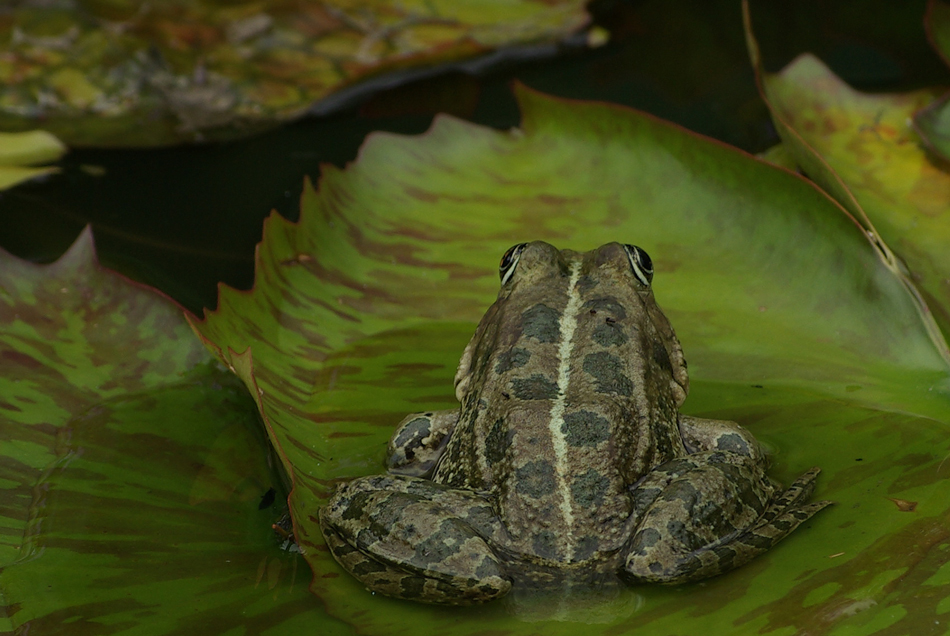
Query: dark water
point(183, 219)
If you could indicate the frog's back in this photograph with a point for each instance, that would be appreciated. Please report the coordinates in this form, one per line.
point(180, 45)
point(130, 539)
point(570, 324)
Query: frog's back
point(566, 402)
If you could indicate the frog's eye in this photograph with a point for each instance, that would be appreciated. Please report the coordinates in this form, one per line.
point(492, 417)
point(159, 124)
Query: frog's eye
point(640, 263)
point(509, 261)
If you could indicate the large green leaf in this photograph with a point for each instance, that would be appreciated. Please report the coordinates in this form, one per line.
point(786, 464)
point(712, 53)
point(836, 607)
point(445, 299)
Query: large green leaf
point(863, 151)
point(792, 323)
point(133, 73)
point(132, 468)
point(933, 122)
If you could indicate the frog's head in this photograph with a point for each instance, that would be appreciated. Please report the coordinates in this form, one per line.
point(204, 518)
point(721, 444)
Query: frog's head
point(616, 276)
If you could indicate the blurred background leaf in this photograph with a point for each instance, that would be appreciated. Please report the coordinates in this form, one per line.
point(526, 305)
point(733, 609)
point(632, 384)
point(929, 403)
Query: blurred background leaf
point(183, 219)
point(136, 73)
point(20, 151)
point(862, 149)
point(933, 122)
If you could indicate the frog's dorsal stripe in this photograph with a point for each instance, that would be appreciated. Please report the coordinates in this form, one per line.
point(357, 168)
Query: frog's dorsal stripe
point(567, 324)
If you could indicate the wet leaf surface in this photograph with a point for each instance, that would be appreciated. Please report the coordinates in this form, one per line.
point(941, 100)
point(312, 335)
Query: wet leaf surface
point(791, 321)
point(133, 468)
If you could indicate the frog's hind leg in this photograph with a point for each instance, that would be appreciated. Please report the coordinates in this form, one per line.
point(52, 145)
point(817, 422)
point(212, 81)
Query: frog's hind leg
point(390, 581)
point(414, 539)
point(709, 513)
point(700, 434)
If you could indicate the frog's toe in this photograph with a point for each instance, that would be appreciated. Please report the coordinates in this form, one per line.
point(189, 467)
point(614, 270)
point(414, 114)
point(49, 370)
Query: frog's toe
point(786, 512)
point(791, 500)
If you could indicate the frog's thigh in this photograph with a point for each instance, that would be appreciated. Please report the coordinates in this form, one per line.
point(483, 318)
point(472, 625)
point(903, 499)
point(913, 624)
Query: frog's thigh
point(414, 539)
point(710, 435)
point(708, 500)
point(419, 440)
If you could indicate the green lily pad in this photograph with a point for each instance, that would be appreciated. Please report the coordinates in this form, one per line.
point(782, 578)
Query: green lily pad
point(792, 323)
point(133, 468)
point(862, 150)
point(937, 22)
point(128, 73)
point(933, 122)
point(20, 151)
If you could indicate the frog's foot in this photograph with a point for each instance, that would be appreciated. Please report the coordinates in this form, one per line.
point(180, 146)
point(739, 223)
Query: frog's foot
point(712, 516)
point(419, 440)
point(787, 511)
point(413, 539)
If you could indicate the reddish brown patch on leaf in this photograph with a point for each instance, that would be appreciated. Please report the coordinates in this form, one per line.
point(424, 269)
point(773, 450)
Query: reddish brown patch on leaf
point(20, 358)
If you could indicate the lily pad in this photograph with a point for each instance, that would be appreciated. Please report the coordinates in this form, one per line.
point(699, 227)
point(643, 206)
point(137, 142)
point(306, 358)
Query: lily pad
point(933, 122)
point(20, 152)
point(862, 150)
point(128, 73)
point(133, 468)
point(937, 22)
point(792, 323)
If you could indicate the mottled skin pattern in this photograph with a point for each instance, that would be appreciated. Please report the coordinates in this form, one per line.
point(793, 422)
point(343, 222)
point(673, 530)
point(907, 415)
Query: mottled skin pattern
point(567, 458)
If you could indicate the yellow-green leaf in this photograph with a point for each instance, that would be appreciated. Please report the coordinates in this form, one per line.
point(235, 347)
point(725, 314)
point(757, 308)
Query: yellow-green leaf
point(19, 150)
point(792, 324)
point(862, 149)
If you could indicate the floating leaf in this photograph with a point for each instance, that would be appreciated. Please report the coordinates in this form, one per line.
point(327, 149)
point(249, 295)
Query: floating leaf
point(791, 322)
point(120, 73)
point(132, 467)
point(861, 149)
point(937, 22)
point(19, 150)
point(933, 122)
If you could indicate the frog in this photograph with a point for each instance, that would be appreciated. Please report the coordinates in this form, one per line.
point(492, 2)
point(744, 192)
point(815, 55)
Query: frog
point(567, 458)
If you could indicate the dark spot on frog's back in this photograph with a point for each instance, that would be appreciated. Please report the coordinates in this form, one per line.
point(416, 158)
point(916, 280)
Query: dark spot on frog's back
point(542, 323)
point(586, 283)
point(608, 306)
point(534, 387)
point(585, 428)
point(545, 545)
point(661, 356)
point(609, 334)
point(589, 488)
point(512, 359)
point(535, 479)
point(607, 370)
point(585, 548)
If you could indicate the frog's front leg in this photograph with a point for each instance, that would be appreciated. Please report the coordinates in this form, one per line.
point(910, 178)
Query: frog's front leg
point(700, 434)
point(415, 539)
point(708, 513)
point(419, 440)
